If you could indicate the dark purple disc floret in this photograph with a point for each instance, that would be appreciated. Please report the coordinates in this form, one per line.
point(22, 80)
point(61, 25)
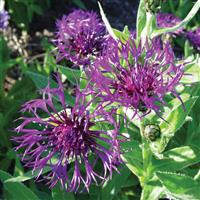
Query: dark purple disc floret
point(194, 38)
point(136, 77)
point(4, 17)
point(67, 140)
point(165, 20)
point(80, 37)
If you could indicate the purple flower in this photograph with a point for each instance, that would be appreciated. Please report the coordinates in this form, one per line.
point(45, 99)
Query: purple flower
point(69, 139)
point(4, 17)
point(165, 20)
point(194, 38)
point(136, 77)
point(80, 37)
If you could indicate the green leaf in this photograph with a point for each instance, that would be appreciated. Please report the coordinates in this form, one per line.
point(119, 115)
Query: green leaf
point(41, 81)
point(111, 188)
point(106, 22)
point(177, 159)
point(16, 190)
point(27, 176)
point(60, 194)
point(187, 49)
point(184, 22)
point(175, 119)
point(73, 75)
point(192, 73)
point(152, 191)
point(133, 158)
point(80, 4)
point(141, 18)
point(123, 36)
point(4, 53)
point(180, 186)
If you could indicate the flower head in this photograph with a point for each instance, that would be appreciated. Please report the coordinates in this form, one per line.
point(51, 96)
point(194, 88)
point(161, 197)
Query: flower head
point(67, 138)
point(80, 36)
point(194, 38)
point(136, 77)
point(4, 17)
point(165, 20)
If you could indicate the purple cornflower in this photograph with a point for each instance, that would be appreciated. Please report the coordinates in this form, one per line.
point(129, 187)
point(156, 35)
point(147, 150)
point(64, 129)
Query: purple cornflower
point(4, 17)
point(80, 37)
point(69, 139)
point(165, 20)
point(136, 77)
point(194, 38)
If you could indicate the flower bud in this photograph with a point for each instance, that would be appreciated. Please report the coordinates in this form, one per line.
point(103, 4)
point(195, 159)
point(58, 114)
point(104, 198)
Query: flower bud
point(152, 132)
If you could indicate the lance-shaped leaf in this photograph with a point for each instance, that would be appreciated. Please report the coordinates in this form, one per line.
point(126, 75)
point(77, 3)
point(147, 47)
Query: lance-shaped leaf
point(175, 118)
point(106, 22)
point(177, 159)
point(16, 190)
point(192, 73)
point(152, 191)
point(133, 158)
point(73, 75)
point(141, 18)
point(27, 176)
point(41, 82)
point(180, 186)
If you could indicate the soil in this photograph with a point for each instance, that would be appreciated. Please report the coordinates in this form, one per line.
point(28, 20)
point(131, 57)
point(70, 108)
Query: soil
point(118, 12)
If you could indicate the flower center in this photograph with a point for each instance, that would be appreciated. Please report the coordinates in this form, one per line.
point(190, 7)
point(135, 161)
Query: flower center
point(71, 136)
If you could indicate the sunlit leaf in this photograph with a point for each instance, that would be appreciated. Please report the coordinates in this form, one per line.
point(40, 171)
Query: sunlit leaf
point(141, 18)
point(180, 186)
point(73, 75)
point(177, 159)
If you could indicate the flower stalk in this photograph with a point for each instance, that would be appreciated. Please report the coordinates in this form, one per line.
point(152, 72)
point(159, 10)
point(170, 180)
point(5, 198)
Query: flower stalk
point(147, 155)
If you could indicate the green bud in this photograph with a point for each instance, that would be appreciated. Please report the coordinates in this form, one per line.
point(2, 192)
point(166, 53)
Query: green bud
point(152, 132)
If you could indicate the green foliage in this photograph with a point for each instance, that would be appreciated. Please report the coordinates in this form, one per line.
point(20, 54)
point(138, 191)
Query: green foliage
point(174, 121)
point(73, 75)
point(180, 186)
point(141, 18)
point(22, 11)
point(59, 194)
point(16, 190)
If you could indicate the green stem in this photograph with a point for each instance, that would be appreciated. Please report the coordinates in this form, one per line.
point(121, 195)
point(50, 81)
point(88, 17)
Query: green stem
point(147, 155)
point(147, 31)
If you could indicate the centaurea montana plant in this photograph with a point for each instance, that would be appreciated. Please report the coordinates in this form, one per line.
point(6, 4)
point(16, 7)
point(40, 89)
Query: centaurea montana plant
point(124, 72)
